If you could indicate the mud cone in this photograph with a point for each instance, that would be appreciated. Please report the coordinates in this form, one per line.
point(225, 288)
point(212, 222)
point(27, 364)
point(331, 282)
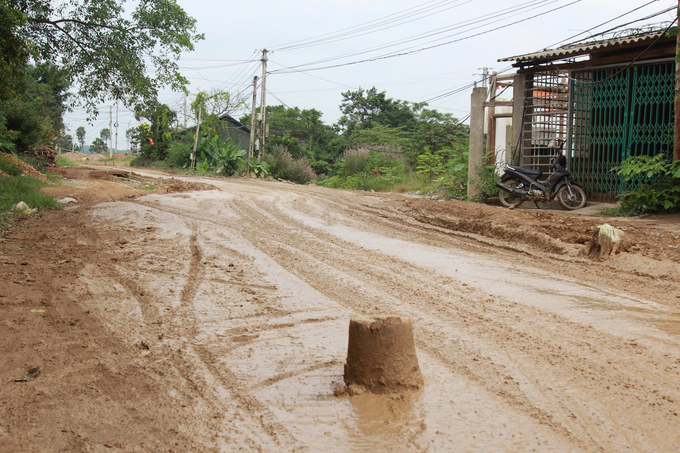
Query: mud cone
point(381, 356)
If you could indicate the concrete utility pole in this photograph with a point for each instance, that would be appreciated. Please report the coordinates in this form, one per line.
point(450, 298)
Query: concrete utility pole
point(476, 154)
point(251, 145)
point(116, 126)
point(110, 130)
point(198, 124)
point(185, 110)
point(676, 147)
point(263, 105)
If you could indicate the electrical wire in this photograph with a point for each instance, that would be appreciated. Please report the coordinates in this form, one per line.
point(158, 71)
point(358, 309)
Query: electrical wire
point(373, 22)
point(612, 20)
point(370, 30)
point(495, 16)
point(404, 53)
point(611, 76)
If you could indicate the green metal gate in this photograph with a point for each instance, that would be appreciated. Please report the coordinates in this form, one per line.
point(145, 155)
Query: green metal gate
point(615, 114)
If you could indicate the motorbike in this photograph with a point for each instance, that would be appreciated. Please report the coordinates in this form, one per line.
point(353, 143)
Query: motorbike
point(518, 184)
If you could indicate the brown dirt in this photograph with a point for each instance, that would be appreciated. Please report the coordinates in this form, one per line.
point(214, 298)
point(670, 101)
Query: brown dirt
point(381, 354)
point(217, 321)
point(26, 169)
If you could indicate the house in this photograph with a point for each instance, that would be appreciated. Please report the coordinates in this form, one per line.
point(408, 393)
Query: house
point(234, 129)
point(606, 99)
point(230, 127)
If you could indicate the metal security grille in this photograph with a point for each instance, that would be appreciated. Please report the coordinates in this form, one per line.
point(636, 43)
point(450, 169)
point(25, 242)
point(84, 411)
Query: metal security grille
point(545, 118)
point(616, 114)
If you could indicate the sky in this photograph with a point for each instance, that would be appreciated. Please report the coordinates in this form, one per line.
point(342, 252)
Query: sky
point(448, 43)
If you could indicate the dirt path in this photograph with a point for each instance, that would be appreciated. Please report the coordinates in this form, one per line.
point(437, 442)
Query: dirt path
point(217, 321)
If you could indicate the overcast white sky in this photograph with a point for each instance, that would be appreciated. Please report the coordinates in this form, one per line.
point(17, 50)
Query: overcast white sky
point(236, 33)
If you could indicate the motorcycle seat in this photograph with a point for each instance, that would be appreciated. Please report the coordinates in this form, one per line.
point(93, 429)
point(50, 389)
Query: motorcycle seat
point(534, 174)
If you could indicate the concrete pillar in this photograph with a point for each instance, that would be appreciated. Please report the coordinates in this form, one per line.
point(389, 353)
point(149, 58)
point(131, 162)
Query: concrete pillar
point(518, 97)
point(476, 155)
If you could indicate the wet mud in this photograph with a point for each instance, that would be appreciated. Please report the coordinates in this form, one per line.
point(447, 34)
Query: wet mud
point(228, 309)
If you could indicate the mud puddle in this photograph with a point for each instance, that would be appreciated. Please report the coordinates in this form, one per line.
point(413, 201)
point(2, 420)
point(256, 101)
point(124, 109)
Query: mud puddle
point(605, 308)
point(282, 345)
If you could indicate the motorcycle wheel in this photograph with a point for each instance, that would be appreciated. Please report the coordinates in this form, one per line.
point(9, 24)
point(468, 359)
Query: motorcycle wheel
point(574, 200)
point(507, 199)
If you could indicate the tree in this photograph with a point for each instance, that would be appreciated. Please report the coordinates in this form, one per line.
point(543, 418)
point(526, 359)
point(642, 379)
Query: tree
point(106, 51)
point(362, 109)
point(105, 134)
point(32, 115)
point(65, 142)
point(14, 50)
point(80, 135)
point(159, 131)
point(99, 146)
point(131, 136)
point(215, 103)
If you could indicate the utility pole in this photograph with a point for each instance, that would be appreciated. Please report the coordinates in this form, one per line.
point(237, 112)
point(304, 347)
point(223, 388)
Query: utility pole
point(185, 110)
point(110, 134)
point(263, 105)
point(251, 145)
point(116, 126)
point(676, 146)
point(198, 124)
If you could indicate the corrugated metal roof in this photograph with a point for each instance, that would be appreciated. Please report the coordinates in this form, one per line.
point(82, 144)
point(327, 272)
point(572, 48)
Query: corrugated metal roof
point(582, 48)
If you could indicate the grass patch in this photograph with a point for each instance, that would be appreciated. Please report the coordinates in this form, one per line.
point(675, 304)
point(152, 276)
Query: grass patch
point(21, 188)
point(613, 212)
point(66, 162)
point(147, 187)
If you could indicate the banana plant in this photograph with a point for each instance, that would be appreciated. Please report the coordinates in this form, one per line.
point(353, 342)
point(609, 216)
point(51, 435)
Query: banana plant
point(224, 158)
point(260, 169)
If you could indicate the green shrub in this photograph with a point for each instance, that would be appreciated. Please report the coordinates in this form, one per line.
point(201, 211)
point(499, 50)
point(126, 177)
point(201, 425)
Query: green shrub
point(354, 161)
point(259, 168)
point(179, 155)
point(22, 188)
point(283, 166)
point(658, 185)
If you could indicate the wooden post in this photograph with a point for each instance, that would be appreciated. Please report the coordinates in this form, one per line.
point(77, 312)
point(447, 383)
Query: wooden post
point(251, 145)
point(198, 125)
point(476, 154)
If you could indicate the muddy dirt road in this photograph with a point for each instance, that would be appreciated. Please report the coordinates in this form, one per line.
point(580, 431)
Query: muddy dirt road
point(217, 320)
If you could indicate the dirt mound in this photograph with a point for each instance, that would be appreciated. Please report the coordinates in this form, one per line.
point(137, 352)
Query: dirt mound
point(173, 185)
point(381, 355)
point(119, 156)
point(26, 169)
point(73, 156)
point(96, 156)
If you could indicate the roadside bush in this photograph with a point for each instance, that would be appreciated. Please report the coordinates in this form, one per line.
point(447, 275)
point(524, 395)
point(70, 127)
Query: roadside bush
point(179, 155)
point(367, 169)
point(21, 188)
point(354, 161)
point(9, 167)
point(658, 185)
point(453, 182)
point(283, 166)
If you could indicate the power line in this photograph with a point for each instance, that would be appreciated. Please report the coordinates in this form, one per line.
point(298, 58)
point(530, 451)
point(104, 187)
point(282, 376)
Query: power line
point(400, 54)
point(490, 17)
point(374, 29)
point(354, 27)
point(651, 16)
